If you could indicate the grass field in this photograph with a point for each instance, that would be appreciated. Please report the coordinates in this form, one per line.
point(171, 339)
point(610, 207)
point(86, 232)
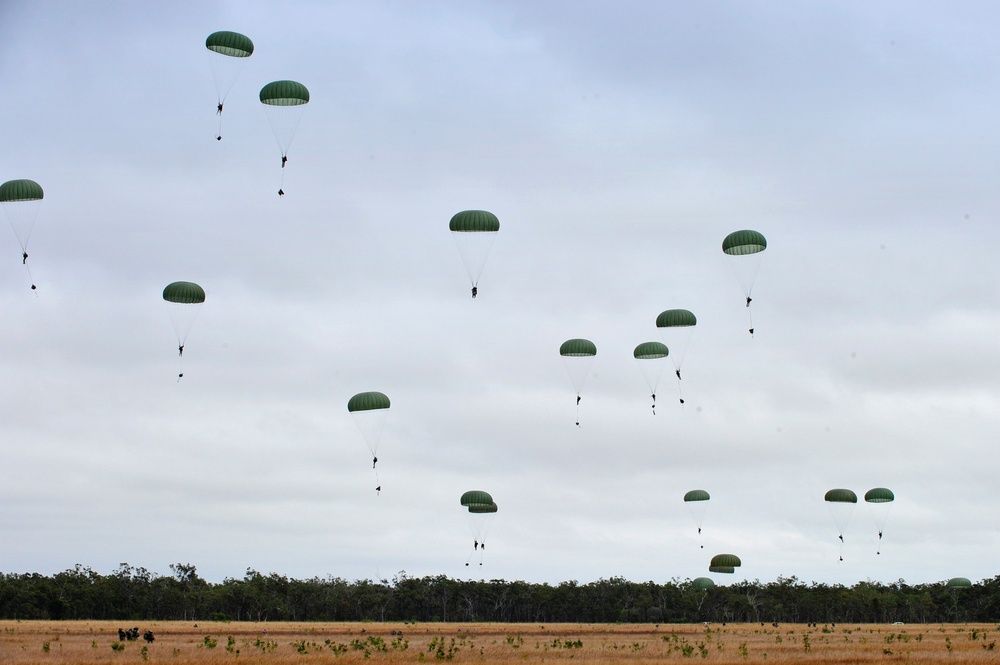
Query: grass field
point(182, 643)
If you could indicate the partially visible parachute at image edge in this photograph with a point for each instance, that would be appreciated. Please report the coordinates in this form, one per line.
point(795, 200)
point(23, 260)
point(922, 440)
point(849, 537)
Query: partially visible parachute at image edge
point(676, 326)
point(370, 410)
point(879, 500)
point(578, 355)
point(184, 301)
point(746, 248)
point(474, 232)
point(283, 103)
point(649, 357)
point(228, 53)
point(21, 200)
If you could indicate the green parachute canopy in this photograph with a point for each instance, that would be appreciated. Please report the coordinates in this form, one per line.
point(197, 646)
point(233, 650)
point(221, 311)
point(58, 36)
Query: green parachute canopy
point(959, 583)
point(676, 318)
point(367, 402)
point(722, 569)
point(483, 508)
point(651, 351)
point(474, 221)
point(20, 190)
point(879, 495)
point(577, 348)
point(696, 495)
point(741, 243)
point(840, 496)
point(229, 43)
point(726, 560)
point(284, 93)
point(476, 496)
point(703, 583)
point(187, 293)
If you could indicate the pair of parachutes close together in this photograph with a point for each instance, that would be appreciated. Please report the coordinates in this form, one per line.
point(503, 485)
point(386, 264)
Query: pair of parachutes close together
point(697, 504)
point(676, 326)
point(283, 101)
point(841, 503)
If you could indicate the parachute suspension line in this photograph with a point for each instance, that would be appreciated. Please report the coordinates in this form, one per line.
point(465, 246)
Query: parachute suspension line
point(480, 546)
point(750, 315)
point(30, 278)
point(24, 261)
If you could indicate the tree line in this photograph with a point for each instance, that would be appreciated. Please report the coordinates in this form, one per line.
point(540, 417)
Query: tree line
point(135, 593)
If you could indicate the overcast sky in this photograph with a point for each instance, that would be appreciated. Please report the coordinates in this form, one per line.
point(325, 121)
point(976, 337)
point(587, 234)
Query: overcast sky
point(618, 144)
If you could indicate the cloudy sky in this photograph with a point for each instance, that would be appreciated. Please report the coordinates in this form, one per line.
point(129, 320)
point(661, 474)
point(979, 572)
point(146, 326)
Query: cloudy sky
point(618, 143)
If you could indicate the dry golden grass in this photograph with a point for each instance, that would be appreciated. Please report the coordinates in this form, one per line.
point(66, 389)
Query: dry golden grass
point(184, 643)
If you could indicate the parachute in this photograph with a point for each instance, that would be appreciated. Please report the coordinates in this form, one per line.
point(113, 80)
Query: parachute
point(184, 301)
point(746, 248)
point(841, 503)
point(228, 53)
point(21, 200)
point(481, 510)
point(702, 583)
point(649, 357)
point(474, 232)
point(284, 102)
point(726, 560)
point(697, 503)
point(959, 583)
point(370, 410)
point(879, 500)
point(724, 563)
point(676, 327)
point(578, 356)
point(475, 496)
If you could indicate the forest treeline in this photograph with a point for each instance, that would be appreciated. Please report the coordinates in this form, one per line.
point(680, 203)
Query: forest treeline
point(134, 593)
